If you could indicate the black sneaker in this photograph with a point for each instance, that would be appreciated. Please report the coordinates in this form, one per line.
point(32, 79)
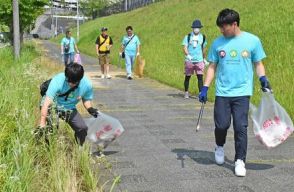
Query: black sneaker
point(130, 77)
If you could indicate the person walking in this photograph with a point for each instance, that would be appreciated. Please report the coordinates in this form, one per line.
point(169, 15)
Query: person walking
point(130, 49)
point(66, 90)
point(103, 45)
point(68, 48)
point(194, 49)
point(232, 57)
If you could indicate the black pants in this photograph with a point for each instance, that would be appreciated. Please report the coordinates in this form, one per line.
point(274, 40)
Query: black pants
point(187, 80)
point(224, 109)
point(79, 126)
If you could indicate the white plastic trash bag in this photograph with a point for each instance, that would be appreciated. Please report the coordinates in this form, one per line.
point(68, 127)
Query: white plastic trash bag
point(271, 123)
point(103, 129)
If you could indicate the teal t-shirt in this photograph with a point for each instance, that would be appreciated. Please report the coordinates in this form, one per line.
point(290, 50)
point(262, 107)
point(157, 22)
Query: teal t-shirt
point(234, 58)
point(59, 85)
point(71, 43)
point(131, 48)
point(194, 46)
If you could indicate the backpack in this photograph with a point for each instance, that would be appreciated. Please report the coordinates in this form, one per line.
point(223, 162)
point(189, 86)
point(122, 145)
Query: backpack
point(202, 44)
point(44, 87)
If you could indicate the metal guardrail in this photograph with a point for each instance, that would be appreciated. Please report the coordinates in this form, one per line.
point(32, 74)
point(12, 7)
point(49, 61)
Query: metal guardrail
point(125, 5)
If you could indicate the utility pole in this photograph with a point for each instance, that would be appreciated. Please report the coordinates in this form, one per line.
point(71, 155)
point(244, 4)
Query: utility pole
point(126, 5)
point(16, 36)
point(78, 21)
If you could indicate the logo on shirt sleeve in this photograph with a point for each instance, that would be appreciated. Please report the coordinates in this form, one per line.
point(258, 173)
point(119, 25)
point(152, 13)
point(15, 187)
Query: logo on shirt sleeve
point(222, 53)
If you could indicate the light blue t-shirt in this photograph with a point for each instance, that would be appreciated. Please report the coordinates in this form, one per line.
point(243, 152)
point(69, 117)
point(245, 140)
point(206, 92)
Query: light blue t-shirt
point(234, 58)
point(194, 46)
point(59, 85)
point(131, 48)
point(70, 41)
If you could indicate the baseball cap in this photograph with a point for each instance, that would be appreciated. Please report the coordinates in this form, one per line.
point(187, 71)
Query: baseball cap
point(104, 29)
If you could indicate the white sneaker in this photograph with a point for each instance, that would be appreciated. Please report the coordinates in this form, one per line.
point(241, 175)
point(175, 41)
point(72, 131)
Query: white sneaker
point(219, 155)
point(240, 169)
point(186, 95)
point(102, 76)
point(108, 76)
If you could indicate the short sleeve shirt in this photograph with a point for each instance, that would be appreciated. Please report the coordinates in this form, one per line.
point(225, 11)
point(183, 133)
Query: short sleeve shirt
point(71, 43)
point(194, 46)
point(131, 48)
point(59, 85)
point(234, 58)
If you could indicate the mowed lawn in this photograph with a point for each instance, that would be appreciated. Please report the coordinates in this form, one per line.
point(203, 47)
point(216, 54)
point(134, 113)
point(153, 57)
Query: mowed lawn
point(162, 27)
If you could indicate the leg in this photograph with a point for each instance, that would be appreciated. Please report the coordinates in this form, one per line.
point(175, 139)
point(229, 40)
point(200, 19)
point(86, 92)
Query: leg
point(199, 72)
point(79, 126)
point(188, 73)
point(186, 82)
point(200, 82)
point(65, 57)
point(240, 108)
point(222, 119)
point(101, 63)
point(128, 65)
point(132, 62)
point(71, 58)
point(107, 61)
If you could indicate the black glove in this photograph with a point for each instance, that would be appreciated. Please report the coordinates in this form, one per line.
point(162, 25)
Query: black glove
point(93, 112)
point(265, 85)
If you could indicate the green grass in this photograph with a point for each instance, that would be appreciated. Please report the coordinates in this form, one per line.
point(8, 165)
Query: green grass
point(162, 26)
point(24, 164)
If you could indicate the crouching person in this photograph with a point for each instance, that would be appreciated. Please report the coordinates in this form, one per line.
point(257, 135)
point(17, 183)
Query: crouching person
point(66, 89)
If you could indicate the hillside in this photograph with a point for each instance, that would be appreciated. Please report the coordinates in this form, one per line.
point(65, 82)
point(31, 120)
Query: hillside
point(162, 26)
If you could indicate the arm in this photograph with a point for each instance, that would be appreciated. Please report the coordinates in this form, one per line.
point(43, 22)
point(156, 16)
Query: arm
point(87, 104)
point(204, 51)
point(61, 49)
point(92, 111)
point(260, 70)
point(210, 74)
point(97, 49)
point(44, 111)
point(186, 52)
point(76, 47)
point(138, 50)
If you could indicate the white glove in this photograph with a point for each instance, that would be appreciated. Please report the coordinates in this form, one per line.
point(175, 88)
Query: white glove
point(189, 57)
point(206, 63)
point(120, 54)
point(138, 53)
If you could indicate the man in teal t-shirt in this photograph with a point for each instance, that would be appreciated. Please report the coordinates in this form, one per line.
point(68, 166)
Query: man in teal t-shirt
point(80, 87)
point(68, 48)
point(232, 57)
point(194, 49)
point(131, 47)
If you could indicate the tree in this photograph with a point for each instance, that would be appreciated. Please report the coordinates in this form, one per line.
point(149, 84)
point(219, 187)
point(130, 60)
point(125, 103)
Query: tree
point(91, 7)
point(29, 10)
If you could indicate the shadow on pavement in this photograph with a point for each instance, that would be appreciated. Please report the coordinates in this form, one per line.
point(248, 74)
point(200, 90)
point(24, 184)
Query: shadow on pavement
point(181, 95)
point(207, 158)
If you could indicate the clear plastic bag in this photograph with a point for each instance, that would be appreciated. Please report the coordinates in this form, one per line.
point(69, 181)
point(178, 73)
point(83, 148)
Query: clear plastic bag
point(103, 130)
point(271, 123)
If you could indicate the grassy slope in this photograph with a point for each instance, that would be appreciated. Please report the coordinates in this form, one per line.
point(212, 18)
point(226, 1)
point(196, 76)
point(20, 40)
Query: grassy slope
point(162, 26)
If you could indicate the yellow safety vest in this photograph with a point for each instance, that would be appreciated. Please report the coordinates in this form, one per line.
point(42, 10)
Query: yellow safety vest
point(104, 46)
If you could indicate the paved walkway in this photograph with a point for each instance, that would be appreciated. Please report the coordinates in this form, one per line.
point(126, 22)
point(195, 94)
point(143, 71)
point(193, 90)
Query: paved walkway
point(160, 150)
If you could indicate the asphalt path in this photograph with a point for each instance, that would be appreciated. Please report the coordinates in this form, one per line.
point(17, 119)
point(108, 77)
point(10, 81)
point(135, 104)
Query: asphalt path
point(161, 150)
